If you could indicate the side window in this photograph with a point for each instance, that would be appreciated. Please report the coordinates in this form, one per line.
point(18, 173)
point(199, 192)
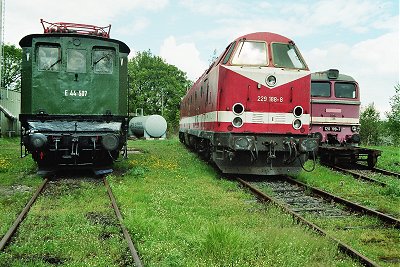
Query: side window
point(229, 53)
point(76, 60)
point(103, 60)
point(49, 57)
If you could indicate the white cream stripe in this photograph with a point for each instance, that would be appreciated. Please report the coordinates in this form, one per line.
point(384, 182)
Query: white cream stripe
point(247, 117)
point(334, 120)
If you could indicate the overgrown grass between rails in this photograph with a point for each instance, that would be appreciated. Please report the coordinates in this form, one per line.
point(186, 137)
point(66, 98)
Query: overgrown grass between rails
point(71, 224)
point(180, 213)
point(384, 199)
point(18, 181)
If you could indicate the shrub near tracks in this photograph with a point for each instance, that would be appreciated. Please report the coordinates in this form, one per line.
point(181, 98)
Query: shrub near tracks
point(18, 181)
point(180, 213)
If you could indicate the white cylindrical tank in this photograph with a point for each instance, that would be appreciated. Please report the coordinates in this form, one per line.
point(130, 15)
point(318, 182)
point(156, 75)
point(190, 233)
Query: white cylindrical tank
point(153, 126)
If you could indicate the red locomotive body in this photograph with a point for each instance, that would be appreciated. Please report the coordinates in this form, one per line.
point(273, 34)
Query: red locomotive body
point(335, 119)
point(250, 111)
point(335, 108)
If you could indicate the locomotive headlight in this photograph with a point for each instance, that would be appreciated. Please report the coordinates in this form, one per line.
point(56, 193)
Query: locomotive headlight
point(237, 122)
point(354, 128)
point(238, 109)
point(271, 80)
point(110, 141)
point(298, 111)
point(38, 140)
point(297, 124)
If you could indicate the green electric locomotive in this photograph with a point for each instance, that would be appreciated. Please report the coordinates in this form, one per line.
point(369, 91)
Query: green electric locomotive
point(73, 96)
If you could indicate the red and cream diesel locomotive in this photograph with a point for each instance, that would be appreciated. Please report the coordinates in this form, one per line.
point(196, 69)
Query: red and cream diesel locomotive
point(250, 111)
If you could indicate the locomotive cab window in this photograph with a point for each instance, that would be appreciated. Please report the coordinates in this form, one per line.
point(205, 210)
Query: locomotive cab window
point(287, 56)
point(345, 90)
point(103, 60)
point(250, 53)
point(76, 60)
point(49, 57)
point(322, 89)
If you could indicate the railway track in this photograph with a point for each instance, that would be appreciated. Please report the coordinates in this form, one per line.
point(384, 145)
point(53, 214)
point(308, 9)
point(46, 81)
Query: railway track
point(377, 170)
point(362, 172)
point(307, 204)
point(6, 240)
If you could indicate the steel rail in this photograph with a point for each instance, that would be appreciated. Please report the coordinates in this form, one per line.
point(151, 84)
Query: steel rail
point(6, 238)
point(341, 245)
point(132, 249)
point(354, 206)
point(356, 175)
point(386, 172)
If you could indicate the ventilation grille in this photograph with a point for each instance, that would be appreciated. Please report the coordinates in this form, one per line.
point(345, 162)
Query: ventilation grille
point(258, 118)
point(279, 118)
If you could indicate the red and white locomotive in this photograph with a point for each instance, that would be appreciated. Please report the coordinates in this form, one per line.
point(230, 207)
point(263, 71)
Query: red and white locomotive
point(250, 111)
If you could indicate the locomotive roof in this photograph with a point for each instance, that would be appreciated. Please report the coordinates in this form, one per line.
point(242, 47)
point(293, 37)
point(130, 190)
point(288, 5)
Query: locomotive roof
point(269, 36)
point(323, 76)
point(27, 40)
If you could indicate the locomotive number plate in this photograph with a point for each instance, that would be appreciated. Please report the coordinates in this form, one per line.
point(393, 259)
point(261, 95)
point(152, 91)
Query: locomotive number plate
point(332, 129)
point(78, 93)
point(271, 99)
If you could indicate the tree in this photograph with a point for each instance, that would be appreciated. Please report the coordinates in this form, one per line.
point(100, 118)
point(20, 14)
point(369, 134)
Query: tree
point(370, 125)
point(156, 86)
point(393, 116)
point(11, 67)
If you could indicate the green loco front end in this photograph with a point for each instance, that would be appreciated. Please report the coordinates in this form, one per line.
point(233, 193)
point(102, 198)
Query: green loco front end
point(73, 98)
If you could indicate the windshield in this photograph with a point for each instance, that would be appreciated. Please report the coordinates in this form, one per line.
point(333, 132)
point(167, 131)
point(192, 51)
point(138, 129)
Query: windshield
point(103, 60)
point(286, 56)
point(251, 53)
point(321, 89)
point(345, 90)
point(76, 61)
point(49, 58)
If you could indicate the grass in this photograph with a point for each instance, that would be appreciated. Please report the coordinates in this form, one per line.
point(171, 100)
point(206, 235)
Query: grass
point(384, 199)
point(180, 213)
point(364, 233)
point(71, 224)
point(18, 181)
point(176, 207)
point(389, 159)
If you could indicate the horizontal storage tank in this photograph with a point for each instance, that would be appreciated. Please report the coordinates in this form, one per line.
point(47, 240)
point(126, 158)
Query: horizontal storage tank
point(153, 126)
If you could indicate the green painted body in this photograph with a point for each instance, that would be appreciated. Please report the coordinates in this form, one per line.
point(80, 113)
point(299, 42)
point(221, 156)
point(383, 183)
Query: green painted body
point(73, 99)
point(67, 92)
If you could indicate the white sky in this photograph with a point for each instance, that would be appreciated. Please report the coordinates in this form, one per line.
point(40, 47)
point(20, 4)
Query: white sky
point(358, 37)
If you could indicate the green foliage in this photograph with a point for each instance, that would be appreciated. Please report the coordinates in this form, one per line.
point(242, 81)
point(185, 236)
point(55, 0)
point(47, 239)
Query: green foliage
point(156, 86)
point(370, 125)
point(393, 116)
point(11, 67)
